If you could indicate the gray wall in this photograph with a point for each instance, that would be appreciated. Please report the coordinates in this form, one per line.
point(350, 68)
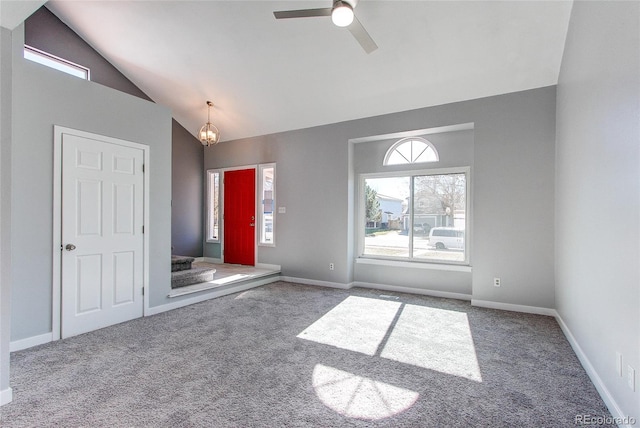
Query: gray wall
point(311, 174)
point(5, 205)
point(186, 192)
point(513, 195)
point(43, 30)
point(42, 98)
point(598, 191)
point(455, 149)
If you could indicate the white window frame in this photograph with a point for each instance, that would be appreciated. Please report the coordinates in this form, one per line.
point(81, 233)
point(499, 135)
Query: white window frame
point(404, 141)
point(55, 62)
point(210, 211)
point(262, 167)
point(361, 223)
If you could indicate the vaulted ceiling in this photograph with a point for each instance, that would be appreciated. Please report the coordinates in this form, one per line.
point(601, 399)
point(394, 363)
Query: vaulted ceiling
point(266, 75)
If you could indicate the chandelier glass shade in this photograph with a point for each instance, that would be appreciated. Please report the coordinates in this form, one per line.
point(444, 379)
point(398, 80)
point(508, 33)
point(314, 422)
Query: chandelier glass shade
point(209, 135)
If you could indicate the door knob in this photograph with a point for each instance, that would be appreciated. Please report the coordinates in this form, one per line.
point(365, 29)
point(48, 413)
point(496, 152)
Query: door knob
point(70, 247)
point(252, 224)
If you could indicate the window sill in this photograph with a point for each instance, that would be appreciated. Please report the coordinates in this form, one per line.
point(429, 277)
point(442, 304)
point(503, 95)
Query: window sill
point(414, 265)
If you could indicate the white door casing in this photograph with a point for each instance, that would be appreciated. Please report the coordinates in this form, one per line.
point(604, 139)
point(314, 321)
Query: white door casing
point(102, 246)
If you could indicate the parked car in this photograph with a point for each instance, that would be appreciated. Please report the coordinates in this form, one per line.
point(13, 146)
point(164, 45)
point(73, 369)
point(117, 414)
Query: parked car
point(446, 237)
point(421, 229)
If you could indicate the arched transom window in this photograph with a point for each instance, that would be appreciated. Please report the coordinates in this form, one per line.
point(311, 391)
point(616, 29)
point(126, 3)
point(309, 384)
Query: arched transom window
point(411, 150)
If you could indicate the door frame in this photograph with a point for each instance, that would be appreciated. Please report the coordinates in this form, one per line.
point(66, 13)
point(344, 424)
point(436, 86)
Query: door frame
point(255, 196)
point(58, 132)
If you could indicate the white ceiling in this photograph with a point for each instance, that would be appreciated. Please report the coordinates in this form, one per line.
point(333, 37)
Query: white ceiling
point(266, 75)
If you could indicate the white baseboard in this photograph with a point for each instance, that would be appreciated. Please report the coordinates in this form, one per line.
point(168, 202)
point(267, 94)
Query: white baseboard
point(19, 345)
point(277, 268)
point(220, 262)
point(305, 281)
point(216, 292)
point(513, 307)
point(608, 399)
point(412, 290)
point(6, 395)
point(208, 260)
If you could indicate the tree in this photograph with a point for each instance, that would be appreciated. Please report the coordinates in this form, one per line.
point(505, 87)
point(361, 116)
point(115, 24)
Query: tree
point(440, 194)
point(373, 212)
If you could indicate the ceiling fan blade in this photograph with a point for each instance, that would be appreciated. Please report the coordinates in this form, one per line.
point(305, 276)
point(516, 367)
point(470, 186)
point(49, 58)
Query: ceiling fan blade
point(362, 36)
point(304, 13)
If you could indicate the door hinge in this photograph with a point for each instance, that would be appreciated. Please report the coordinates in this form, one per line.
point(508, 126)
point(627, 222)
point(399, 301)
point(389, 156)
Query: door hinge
point(143, 168)
point(143, 291)
point(143, 229)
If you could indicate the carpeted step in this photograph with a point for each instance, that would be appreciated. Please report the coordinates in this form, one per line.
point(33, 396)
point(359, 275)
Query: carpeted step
point(192, 276)
point(179, 263)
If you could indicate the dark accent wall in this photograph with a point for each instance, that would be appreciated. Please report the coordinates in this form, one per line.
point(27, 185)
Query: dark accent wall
point(44, 31)
point(187, 193)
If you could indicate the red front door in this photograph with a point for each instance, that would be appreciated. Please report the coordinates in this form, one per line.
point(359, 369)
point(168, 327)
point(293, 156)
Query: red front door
point(239, 216)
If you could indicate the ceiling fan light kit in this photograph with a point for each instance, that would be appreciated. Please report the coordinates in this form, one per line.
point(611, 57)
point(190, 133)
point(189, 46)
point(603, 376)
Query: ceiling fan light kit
point(342, 14)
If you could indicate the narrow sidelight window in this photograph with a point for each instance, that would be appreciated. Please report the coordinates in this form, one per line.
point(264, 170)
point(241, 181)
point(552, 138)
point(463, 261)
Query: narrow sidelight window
point(213, 206)
point(267, 192)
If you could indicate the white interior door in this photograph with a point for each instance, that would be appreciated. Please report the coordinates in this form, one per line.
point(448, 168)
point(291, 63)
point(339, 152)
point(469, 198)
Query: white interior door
point(102, 234)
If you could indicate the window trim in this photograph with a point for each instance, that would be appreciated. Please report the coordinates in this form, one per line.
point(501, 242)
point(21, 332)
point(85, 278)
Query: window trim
point(261, 167)
point(48, 60)
point(361, 213)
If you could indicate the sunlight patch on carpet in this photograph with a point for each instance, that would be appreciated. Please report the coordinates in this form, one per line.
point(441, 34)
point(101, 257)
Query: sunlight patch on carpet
point(227, 279)
point(357, 324)
point(435, 339)
point(360, 397)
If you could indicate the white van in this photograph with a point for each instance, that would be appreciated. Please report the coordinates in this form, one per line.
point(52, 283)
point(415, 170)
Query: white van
point(446, 237)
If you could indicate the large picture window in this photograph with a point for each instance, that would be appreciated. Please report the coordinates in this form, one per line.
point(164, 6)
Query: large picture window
point(417, 216)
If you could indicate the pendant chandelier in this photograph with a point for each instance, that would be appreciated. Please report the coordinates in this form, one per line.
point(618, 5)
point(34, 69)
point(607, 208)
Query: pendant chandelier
point(209, 134)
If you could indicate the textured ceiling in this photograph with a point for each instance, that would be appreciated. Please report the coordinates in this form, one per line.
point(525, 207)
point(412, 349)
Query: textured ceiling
point(266, 75)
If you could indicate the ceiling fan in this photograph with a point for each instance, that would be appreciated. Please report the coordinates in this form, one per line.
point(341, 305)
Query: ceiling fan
point(342, 15)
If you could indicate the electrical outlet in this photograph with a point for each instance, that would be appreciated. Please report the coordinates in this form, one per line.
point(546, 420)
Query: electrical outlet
point(331, 266)
point(619, 363)
point(631, 378)
point(496, 282)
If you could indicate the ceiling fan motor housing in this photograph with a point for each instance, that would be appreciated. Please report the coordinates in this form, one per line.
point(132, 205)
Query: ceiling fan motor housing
point(351, 3)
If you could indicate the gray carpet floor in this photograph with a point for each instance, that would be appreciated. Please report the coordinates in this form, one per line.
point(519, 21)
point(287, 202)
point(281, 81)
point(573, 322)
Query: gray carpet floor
point(290, 355)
